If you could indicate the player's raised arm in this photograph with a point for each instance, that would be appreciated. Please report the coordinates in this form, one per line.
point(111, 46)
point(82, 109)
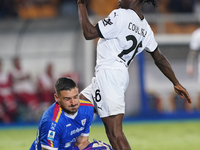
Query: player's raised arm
point(89, 30)
point(165, 67)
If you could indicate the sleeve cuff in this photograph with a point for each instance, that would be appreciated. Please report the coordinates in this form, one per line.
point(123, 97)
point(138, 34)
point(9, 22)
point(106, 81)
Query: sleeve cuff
point(98, 30)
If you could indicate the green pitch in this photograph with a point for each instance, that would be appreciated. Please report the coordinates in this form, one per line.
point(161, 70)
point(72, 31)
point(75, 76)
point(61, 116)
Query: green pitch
point(141, 136)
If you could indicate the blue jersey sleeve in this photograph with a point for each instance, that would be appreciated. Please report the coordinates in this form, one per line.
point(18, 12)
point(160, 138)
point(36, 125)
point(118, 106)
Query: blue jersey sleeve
point(90, 114)
point(50, 134)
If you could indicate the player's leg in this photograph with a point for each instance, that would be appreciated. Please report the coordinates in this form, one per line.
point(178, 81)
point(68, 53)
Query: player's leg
point(113, 127)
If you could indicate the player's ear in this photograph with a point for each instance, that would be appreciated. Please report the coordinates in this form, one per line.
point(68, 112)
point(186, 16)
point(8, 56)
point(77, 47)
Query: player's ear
point(56, 97)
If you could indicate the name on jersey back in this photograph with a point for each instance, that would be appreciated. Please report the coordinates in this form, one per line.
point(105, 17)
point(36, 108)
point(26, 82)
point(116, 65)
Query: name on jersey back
point(137, 29)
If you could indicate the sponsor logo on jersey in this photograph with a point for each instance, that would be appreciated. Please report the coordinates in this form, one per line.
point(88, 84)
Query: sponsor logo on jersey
point(53, 125)
point(99, 107)
point(67, 144)
point(68, 125)
point(51, 135)
point(77, 130)
point(107, 21)
point(83, 122)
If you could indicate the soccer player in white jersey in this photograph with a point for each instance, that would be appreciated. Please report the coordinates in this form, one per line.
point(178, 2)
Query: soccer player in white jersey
point(194, 50)
point(123, 35)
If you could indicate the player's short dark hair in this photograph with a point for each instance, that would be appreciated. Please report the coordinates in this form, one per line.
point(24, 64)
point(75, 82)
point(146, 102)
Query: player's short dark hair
point(153, 2)
point(64, 83)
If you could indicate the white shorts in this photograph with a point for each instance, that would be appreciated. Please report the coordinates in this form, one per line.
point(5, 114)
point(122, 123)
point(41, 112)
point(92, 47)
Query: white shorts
point(107, 91)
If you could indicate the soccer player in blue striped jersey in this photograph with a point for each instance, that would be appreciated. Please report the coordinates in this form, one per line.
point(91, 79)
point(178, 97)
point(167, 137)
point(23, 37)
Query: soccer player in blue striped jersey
point(66, 123)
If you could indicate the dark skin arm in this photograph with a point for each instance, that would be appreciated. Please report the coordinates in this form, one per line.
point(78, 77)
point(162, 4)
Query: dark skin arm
point(89, 30)
point(163, 64)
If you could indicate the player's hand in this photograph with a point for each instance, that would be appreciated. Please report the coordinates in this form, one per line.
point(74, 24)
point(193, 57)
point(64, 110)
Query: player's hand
point(84, 2)
point(180, 90)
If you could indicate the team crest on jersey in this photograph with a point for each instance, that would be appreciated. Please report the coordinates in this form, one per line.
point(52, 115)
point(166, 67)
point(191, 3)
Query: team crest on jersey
point(107, 21)
point(83, 122)
point(51, 135)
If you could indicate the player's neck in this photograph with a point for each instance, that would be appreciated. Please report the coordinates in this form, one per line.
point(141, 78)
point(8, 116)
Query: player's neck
point(139, 13)
point(137, 7)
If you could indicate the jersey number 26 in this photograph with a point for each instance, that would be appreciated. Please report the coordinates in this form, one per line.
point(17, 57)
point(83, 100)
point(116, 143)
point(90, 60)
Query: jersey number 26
point(135, 46)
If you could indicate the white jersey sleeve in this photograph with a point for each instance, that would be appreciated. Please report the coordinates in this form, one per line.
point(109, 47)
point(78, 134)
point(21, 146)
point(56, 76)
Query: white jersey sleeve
point(150, 42)
point(195, 42)
point(110, 26)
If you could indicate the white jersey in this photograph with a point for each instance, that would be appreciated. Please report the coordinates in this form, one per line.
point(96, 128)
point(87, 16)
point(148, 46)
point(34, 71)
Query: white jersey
point(195, 43)
point(123, 36)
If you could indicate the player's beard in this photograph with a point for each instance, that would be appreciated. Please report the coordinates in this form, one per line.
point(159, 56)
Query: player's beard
point(71, 111)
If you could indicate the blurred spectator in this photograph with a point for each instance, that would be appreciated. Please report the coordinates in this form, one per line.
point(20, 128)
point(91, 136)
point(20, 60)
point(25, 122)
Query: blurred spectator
point(46, 81)
point(24, 89)
point(8, 8)
point(32, 9)
point(68, 7)
point(154, 102)
point(8, 107)
point(181, 6)
point(197, 7)
point(177, 104)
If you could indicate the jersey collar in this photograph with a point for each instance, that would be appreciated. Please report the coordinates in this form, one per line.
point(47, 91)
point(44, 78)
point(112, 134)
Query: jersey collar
point(71, 116)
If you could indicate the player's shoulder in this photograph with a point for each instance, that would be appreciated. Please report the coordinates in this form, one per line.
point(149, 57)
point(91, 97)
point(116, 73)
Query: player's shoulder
point(86, 103)
point(117, 12)
point(52, 113)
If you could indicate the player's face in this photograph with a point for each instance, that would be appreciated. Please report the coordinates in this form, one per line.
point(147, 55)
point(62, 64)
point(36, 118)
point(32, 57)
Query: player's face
point(68, 100)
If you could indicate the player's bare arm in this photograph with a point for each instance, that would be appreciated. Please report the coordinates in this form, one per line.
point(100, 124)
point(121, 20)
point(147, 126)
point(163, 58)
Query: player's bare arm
point(82, 142)
point(89, 30)
point(163, 64)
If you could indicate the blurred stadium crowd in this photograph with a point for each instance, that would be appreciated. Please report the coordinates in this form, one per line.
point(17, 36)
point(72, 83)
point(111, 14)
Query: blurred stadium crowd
point(34, 9)
point(19, 95)
point(30, 9)
point(20, 98)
